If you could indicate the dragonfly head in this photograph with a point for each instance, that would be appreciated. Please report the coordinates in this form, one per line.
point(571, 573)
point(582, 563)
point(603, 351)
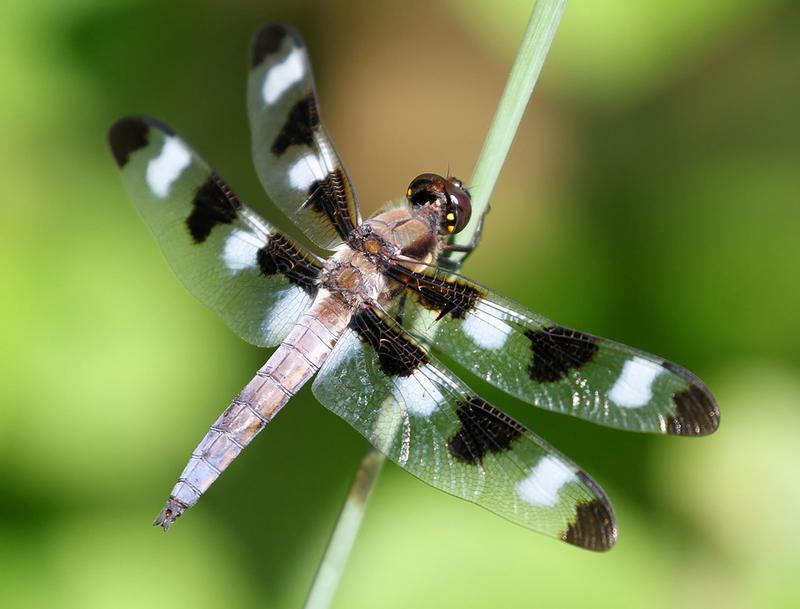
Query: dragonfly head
point(448, 195)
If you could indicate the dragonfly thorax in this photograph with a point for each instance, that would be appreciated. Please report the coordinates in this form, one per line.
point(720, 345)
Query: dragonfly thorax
point(397, 236)
point(353, 275)
point(406, 232)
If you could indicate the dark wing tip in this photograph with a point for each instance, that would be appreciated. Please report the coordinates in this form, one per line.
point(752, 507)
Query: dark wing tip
point(696, 410)
point(269, 39)
point(594, 527)
point(696, 413)
point(125, 136)
point(171, 512)
point(129, 134)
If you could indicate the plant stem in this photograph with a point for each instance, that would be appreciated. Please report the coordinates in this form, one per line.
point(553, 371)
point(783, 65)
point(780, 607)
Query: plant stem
point(344, 533)
point(541, 30)
point(536, 42)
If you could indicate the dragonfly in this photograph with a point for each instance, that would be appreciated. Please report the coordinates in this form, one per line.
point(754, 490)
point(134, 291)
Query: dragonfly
point(369, 317)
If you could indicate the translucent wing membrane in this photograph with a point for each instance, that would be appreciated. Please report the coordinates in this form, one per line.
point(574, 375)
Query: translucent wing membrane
point(550, 366)
point(293, 154)
point(258, 280)
point(430, 423)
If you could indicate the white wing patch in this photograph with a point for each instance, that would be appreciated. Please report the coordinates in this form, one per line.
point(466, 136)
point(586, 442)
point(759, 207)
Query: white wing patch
point(167, 167)
point(241, 250)
point(634, 387)
point(486, 332)
point(420, 396)
point(304, 172)
point(276, 322)
point(282, 76)
point(543, 484)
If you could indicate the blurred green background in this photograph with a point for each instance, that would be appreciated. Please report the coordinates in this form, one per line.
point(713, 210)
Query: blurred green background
point(652, 196)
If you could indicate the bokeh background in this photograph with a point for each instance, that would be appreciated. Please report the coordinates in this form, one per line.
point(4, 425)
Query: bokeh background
point(652, 195)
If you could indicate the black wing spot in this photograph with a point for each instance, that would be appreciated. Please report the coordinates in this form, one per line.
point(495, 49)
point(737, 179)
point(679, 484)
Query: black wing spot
point(268, 40)
point(696, 411)
point(397, 354)
point(557, 350)
point(281, 256)
point(593, 527)
point(484, 430)
point(213, 204)
point(329, 198)
point(127, 135)
point(436, 293)
point(301, 122)
point(448, 297)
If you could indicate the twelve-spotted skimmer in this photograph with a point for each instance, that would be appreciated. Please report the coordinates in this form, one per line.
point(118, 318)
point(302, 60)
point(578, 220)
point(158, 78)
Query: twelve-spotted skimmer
point(367, 317)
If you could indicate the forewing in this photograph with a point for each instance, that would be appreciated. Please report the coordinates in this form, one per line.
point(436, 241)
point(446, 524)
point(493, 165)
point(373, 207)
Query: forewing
point(550, 366)
point(294, 157)
point(430, 423)
point(257, 279)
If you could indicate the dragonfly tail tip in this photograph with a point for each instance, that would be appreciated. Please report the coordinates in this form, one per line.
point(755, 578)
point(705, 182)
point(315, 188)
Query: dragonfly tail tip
point(171, 512)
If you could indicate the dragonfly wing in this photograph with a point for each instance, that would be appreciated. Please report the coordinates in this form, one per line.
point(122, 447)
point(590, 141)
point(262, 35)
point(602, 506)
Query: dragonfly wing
point(420, 415)
point(550, 366)
point(293, 154)
point(256, 278)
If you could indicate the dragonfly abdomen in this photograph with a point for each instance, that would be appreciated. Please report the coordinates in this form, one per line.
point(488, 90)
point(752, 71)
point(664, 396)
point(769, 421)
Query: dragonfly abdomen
point(294, 362)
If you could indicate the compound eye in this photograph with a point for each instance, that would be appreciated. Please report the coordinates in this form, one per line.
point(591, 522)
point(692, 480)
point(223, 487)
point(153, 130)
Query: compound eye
point(459, 208)
point(425, 188)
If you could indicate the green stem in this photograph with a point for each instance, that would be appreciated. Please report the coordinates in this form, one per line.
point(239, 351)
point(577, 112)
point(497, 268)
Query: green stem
point(344, 533)
point(541, 30)
point(539, 35)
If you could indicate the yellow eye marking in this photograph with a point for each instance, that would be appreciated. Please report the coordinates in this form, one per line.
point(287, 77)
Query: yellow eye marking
point(408, 193)
point(450, 228)
point(451, 216)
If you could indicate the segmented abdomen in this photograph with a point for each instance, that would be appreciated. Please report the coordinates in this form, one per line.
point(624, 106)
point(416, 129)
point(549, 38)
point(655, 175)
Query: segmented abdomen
point(294, 362)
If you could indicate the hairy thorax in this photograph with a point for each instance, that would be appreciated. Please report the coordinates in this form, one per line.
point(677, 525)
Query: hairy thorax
point(397, 236)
